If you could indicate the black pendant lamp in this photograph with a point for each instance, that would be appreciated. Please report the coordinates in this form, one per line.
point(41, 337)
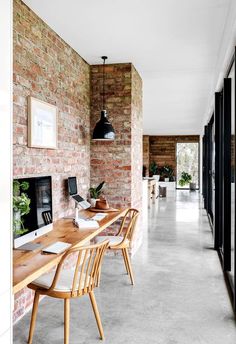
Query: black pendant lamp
point(103, 130)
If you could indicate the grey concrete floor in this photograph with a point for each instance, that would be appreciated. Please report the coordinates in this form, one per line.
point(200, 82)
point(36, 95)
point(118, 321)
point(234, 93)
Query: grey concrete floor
point(179, 297)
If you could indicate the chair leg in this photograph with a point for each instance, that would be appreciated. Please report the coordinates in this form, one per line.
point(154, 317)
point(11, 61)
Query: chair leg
point(129, 266)
point(66, 320)
point(99, 277)
point(96, 313)
point(33, 317)
point(125, 260)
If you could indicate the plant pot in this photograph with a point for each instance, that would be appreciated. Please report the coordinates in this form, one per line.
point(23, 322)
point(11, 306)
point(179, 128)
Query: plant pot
point(93, 202)
point(193, 186)
point(166, 179)
point(156, 176)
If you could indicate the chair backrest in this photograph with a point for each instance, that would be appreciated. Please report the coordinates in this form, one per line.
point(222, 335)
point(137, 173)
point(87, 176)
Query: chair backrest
point(47, 217)
point(128, 224)
point(86, 269)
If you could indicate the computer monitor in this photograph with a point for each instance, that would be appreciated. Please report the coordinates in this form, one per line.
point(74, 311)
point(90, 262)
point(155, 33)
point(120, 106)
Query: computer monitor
point(39, 220)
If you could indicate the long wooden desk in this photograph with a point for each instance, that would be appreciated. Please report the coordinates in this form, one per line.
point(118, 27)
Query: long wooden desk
point(29, 265)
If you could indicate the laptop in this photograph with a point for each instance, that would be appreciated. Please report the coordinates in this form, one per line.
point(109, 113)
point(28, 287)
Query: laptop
point(73, 192)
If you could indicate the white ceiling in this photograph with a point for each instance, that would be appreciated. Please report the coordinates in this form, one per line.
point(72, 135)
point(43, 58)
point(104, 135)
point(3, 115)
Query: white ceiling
point(174, 44)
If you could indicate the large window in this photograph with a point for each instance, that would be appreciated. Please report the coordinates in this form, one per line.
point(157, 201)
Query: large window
point(187, 155)
point(224, 226)
point(232, 148)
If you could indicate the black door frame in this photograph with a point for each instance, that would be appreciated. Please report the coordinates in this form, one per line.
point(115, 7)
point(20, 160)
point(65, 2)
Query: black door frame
point(223, 176)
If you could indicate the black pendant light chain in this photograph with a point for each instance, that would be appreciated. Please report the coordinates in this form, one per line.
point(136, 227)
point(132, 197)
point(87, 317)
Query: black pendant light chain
point(103, 84)
point(103, 130)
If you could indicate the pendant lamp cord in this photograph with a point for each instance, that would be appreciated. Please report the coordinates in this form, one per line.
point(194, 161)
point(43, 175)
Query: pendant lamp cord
point(103, 85)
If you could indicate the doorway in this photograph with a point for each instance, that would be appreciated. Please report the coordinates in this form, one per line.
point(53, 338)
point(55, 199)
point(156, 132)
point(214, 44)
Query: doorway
point(187, 159)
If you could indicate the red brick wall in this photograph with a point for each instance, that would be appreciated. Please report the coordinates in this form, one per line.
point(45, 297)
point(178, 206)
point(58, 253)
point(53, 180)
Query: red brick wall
point(136, 153)
point(111, 161)
point(119, 163)
point(47, 68)
point(162, 149)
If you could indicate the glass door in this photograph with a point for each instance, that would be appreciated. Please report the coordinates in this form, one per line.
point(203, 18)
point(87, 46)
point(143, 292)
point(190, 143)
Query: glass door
point(187, 157)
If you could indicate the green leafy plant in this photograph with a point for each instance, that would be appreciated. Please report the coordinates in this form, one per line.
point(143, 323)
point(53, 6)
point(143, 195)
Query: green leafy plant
point(153, 168)
point(95, 192)
point(167, 171)
point(21, 206)
point(185, 178)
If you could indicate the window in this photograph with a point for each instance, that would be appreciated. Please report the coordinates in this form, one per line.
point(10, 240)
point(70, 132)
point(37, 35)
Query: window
point(187, 155)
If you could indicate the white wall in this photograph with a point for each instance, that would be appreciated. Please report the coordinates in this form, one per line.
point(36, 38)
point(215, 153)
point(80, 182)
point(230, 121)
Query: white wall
point(5, 169)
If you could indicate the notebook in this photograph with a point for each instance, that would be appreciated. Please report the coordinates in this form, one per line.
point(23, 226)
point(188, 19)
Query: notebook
point(86, 224)
point(57, 247)
point(99, 216)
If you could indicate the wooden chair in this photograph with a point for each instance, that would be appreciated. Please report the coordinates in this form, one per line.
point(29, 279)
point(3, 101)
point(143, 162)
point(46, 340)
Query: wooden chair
point(47, 217)
point(67, 284)
point(123, 239)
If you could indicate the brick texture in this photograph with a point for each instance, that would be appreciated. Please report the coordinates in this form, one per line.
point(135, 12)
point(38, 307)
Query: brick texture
point(111, 161)
point(162, 149)
point(47, 68)
point(136, 153)
point(119, 163)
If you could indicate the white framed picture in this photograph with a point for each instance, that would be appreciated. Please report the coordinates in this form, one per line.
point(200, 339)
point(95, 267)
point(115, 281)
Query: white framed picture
point(42, 124)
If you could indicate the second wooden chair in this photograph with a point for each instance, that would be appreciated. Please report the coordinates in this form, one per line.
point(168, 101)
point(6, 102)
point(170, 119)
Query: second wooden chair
point(123, 239)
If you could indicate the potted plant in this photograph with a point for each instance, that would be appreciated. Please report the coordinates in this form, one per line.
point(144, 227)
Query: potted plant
point(167, 172)
point(186, 179)
point(95, 193)
point(21, 206)
point(154, 170)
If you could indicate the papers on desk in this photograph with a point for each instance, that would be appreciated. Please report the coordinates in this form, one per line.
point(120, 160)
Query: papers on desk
point(86, 224)
point(92, 222)
point(99, 216)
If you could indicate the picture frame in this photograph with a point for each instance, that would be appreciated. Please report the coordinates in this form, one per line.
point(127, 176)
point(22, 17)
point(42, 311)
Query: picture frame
point(42, 124)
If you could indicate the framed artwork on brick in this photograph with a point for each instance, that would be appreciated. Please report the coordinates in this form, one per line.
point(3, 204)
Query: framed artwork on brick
point(42, 124)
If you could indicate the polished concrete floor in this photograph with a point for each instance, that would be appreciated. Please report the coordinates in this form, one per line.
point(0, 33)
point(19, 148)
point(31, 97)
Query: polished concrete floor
point(179, 298)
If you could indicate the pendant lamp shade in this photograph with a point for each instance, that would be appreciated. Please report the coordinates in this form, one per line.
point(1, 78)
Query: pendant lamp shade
point(103, 130)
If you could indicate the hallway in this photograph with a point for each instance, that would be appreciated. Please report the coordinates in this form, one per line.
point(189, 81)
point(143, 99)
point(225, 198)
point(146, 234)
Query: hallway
point(179, 298)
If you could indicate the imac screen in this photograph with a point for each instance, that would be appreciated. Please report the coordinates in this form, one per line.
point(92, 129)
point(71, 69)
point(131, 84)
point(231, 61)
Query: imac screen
point(40, 194)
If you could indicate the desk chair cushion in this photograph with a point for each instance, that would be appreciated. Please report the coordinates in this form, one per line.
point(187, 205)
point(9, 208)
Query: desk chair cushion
point(64, 283)
point(113, 240)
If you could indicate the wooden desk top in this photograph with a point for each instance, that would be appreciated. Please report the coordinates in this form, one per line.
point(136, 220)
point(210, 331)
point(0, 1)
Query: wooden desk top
point(29, 265)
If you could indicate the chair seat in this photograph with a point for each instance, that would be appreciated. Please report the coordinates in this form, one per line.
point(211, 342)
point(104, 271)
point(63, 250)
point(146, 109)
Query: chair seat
point(113, 240)
point(64, 283)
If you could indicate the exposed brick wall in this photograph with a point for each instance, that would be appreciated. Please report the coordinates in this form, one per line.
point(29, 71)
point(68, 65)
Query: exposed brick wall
point(47, 68)
point(136, 139)
point(136, 152)
point(146, 161)
point(119, 163)
point(111, 161)
point(162, 149)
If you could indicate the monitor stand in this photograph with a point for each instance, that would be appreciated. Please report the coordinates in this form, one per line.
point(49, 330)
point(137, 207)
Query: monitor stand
point(29, 246)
